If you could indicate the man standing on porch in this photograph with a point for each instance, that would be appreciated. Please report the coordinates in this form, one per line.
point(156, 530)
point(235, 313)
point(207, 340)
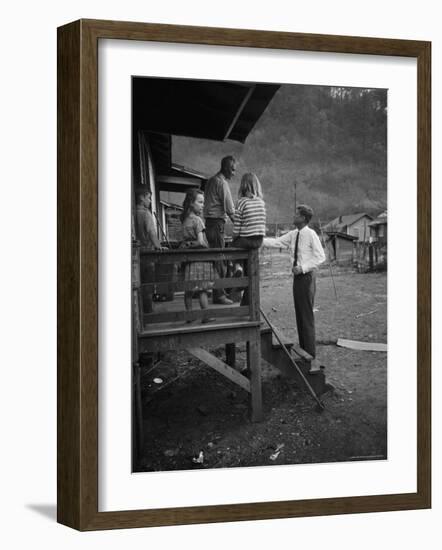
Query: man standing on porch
point(308, 254)
point(218, 205)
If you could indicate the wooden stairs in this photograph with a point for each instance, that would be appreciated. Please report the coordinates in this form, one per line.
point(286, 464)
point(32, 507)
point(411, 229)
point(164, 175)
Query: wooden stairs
point(273, 353)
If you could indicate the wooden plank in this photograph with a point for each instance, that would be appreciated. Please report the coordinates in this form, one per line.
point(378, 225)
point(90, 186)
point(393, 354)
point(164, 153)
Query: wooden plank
point(175, 286)
point(69, 414)
point(183, 340)
point(197, 255)
point(362, 346)
point(146, 251)
point(164, 330)
point(171, 316)
point(296, 348)
point(301, 352)
point(138, 411)
point(221, 367)
point(254, 366)
point(222, 36)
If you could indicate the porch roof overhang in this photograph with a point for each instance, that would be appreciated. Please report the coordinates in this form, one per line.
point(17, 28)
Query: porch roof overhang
point(179, 179)
point(200, 109)
point(177, 184)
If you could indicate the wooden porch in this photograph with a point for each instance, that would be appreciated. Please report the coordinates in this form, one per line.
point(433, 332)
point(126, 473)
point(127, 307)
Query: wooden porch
point(168, 326)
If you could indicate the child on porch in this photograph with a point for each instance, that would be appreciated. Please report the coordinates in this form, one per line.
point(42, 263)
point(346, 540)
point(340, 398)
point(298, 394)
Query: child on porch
point(250, 221)
point(194, 237)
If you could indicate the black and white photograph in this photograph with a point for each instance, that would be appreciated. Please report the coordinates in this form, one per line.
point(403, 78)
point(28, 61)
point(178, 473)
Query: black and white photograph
point(259, 274)
point(228, 265)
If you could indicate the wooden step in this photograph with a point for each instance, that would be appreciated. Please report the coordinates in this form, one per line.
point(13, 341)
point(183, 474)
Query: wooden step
point(288, 343)
point(301, 353)
point(285, 340)
point(273, 353)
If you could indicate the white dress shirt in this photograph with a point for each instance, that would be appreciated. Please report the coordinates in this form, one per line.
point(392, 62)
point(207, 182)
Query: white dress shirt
point(310, 252)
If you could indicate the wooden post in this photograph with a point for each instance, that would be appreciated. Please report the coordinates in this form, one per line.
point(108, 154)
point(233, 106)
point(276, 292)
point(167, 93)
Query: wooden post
point(137, 327)
point(254, 344)
point(219, 366)
point(254, 366)
point(253, 275)
point(137, 408)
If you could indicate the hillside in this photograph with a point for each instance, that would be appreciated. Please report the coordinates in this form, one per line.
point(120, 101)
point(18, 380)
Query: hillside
point(331, 142)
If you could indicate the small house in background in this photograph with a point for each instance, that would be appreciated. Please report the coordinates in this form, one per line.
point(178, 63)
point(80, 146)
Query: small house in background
point(378, 240)
point(354, 225)
point(358, 239)
point(340, 247)
point(378, 229)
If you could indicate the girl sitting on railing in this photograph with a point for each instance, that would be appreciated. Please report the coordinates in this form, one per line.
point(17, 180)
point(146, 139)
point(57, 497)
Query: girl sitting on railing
point(194, 237)
point(250, 221)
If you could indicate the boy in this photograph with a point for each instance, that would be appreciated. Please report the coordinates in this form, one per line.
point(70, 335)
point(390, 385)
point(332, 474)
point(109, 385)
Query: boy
point(147, 237)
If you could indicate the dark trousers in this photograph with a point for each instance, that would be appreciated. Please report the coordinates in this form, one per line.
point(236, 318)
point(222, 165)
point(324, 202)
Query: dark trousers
point(249, 243)
point(304, 289)
point(215, 239)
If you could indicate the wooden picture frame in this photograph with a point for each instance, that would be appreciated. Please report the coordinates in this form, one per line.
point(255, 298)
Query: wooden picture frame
point(78, 274)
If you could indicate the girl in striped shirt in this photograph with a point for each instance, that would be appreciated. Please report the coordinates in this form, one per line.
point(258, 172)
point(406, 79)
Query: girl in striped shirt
point(250, 220)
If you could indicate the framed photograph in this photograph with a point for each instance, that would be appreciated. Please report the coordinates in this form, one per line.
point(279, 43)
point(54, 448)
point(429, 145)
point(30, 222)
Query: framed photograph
point(243, 275)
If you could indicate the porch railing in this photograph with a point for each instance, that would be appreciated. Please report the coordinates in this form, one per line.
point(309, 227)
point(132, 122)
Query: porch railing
point(161, 273)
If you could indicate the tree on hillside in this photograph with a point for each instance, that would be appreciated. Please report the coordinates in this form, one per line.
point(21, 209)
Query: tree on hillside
point(331, 141)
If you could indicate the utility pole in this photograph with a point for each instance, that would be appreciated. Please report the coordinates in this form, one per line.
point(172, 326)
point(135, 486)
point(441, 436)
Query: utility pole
point(294, 191)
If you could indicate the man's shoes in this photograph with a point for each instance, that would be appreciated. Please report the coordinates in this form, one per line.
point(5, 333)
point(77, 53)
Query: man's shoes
point(223, 301)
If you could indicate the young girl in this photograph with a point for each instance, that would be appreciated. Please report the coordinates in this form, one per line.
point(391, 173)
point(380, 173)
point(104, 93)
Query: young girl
point(250, 220)
point(194, 237)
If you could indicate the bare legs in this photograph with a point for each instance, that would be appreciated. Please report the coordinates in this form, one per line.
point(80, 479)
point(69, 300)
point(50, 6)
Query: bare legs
point(203, 300)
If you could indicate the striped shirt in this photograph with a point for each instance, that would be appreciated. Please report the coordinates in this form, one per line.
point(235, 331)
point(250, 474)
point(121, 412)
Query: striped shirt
point(250, 217)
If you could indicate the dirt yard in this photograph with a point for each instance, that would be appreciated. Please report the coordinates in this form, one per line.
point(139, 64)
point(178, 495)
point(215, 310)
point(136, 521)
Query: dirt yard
point(199, 413)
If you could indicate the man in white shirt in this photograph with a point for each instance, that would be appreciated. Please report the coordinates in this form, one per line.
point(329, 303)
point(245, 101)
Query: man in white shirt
point(308, 254)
